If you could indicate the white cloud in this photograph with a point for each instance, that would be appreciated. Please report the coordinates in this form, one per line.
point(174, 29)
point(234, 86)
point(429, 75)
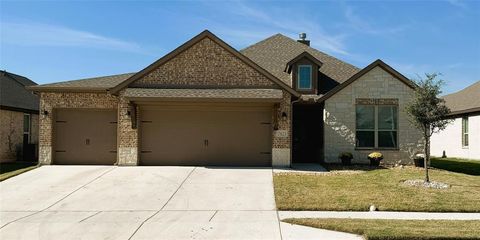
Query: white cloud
point(267, 23)
point(362, 25)
point(38, 34)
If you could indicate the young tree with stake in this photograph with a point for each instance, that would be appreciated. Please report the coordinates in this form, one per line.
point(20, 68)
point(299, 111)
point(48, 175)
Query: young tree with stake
point(428, 112)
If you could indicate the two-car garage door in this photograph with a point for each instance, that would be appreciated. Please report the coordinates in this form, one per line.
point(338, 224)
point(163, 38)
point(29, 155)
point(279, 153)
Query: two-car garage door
point(228, 135)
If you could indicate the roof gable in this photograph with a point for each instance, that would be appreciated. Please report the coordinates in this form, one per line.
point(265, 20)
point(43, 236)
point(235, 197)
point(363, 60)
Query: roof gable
point(205, 61)
point(376, 63)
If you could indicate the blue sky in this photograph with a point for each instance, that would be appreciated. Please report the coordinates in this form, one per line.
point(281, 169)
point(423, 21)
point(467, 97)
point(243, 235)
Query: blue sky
point(51, 41)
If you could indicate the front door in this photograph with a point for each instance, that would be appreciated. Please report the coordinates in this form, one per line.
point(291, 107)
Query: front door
point(307, 133)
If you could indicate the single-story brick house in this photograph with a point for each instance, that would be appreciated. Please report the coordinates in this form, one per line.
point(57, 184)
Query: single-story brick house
point(461, 138)
point(273, 103)
point(18, 118)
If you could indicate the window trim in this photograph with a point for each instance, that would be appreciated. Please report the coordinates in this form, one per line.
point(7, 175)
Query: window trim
point(376, 130)
point(298, 77)
point(465, 132)
point(29, 125)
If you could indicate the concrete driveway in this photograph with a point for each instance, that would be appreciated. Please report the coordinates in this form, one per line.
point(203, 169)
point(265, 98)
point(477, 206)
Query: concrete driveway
point(108, 202)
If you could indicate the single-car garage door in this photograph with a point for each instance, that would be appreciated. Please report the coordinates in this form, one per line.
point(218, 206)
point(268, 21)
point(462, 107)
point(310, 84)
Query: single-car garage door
point(219, 135)
point(85, 136)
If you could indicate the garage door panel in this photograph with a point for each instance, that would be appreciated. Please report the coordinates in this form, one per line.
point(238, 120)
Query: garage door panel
point(234, 136)
point(85, 136)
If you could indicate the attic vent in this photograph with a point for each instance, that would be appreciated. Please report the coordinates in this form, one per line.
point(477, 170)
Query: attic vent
point(303, 37)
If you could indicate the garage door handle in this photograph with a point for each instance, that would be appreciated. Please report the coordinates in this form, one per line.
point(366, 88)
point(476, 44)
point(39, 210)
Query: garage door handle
point(265, 153)
point(87, 141)
point(205, 142)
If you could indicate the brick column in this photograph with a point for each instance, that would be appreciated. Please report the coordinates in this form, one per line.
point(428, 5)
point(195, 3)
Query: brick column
point(127, 136)
point(281, 137)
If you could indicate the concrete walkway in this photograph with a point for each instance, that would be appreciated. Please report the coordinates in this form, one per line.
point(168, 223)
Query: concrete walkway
point(380, 215)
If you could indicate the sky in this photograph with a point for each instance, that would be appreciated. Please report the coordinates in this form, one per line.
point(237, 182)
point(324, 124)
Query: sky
point(51, 41)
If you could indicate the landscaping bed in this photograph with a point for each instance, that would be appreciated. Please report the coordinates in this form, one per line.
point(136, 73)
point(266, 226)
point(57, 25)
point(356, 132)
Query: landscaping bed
point(380, 229)
point(383, 188)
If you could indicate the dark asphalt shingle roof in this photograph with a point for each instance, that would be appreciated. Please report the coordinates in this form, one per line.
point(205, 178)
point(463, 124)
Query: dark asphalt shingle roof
point(272, 54)
point(13, 93)
point(97, 83)
point(275, 52)
point(273, 94)
point(466, 99)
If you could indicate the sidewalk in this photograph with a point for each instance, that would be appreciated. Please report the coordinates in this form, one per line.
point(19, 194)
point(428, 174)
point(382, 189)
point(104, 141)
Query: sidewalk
point(380, 215)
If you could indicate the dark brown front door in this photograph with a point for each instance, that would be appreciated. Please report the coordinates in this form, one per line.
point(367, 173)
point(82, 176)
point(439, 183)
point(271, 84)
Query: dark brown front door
point(231, 135)
point(85, 136)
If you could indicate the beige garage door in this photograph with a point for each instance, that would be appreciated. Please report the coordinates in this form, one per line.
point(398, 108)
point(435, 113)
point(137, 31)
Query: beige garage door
point(85, 136)
point(219, 135)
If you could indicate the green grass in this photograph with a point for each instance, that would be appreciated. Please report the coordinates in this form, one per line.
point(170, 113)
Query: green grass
point(379, 229)
point(11, 169)
point(466, 166)
point(380, 187)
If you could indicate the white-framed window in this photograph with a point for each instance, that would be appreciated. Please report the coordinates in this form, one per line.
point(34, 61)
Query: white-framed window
point(465, 132)
point(26, 128)
point(376, 126)
point(304, 77)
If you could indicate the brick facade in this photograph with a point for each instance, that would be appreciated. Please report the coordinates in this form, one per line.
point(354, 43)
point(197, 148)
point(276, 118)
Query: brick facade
point(11, 134)
point(50, 101)
point(204, 65)
point(339, 115)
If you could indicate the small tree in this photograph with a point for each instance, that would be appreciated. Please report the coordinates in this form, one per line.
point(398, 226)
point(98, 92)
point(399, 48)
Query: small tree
point(428, 112)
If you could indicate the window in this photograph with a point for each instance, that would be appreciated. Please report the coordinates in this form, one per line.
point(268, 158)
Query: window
point(376, 126)
point(26, 128)
point(465, 132)
point(304, 77)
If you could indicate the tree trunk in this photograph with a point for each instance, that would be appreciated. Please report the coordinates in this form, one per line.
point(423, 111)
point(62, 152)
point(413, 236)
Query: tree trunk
point(427, 158)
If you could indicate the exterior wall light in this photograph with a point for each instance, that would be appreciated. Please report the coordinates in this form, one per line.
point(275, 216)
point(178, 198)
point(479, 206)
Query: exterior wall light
point(284, 116)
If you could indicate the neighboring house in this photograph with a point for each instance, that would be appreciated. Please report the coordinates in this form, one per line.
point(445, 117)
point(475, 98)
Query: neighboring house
point(18, 118)
point(461, 138)
point(276, 102)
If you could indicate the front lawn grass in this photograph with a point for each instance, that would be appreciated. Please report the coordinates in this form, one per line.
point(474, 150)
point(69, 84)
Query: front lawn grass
point(466, 166)
point(380, 229)
point(11, 169)
point(379, 187)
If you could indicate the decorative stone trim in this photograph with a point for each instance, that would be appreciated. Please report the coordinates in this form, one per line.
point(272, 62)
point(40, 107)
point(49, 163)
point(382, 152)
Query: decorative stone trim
point(377, 101)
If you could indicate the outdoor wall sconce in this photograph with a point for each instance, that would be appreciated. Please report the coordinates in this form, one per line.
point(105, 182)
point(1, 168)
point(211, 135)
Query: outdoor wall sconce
point(45, 112)
point(284, 116)
point(129, 113)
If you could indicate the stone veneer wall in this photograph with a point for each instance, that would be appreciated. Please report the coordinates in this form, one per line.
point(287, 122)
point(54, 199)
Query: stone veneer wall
point(339, 115)
point(205, 64)
point(49, 101)
point(281, 139)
